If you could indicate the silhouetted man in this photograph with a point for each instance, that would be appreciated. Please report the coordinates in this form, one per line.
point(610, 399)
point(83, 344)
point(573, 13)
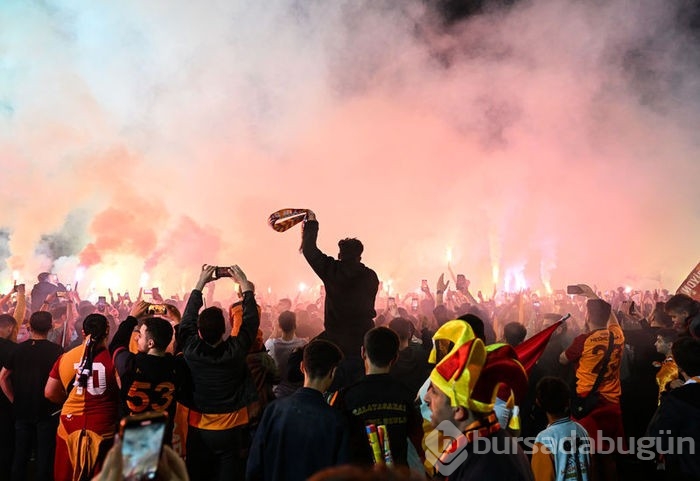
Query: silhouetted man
point(351, 288)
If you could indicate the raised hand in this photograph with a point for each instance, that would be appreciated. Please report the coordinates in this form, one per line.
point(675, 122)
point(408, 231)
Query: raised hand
point(139, 309)
point(441, 285)
point(240, 277)
point(205, 276)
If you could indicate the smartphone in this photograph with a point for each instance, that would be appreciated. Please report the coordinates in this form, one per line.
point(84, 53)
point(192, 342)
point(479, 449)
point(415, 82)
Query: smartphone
point(424, 284)
point(391, 302)
point(61, 294)
point(573, 290)
point(101, 304)
point(461, 282)
point(222, 272)
point(142, 441)
point(155, 291)
point(414, 304)
point(158, 309)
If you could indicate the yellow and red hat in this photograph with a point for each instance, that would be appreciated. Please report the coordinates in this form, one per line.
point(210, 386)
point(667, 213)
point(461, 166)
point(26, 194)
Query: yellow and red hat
point(469, 374)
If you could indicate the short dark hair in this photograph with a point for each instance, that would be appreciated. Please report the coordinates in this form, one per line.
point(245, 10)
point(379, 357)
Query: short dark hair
point(160, 330)
point(211, 324)
point(59, 311)
point(514, 333)
point(287, 321)
point(598, 311)
point(553, 395)
point(381, 345)
point(683, 302)
point(43, 276)
point(686, 353)
point(41, 322)
point(661, 316)
point(7, 320)
point(95, 325)
point(320, 357)
point(667, 334)
point(350, 249)
point(476, 324)
point(402, 327)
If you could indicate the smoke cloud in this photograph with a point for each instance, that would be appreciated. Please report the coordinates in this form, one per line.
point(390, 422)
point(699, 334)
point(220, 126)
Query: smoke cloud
point(550, 142)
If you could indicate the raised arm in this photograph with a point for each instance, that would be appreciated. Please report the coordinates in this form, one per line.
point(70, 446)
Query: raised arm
point(188, 325)
point(21, 307)
point(251, 318)
point(123, 335)
point(319, 262)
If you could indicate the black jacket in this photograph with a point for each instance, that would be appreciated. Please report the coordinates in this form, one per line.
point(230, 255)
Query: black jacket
point(221, 381)
point(678, 417)
point(351, 288)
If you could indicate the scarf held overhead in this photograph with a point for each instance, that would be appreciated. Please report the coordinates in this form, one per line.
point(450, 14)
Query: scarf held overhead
point(285, 219)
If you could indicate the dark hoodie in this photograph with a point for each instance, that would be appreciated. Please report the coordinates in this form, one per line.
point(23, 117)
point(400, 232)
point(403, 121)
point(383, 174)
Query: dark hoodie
point(678, 417)
point(351, 288)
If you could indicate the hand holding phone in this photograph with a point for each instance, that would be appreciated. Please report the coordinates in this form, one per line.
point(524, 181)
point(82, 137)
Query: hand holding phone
point(142, 441)
point(574, 290)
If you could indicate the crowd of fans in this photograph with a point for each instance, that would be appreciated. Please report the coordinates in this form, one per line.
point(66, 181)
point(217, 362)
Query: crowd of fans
point(304, 388)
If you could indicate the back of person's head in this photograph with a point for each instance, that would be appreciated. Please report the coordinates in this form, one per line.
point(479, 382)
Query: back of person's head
point(212, 325)
point(553, 395)
point(95, 325)
point(376, 473)
point(173, 311)
point(679, 303)
point(320, 358)
point(514, 333)
point(598, 312)
point(686, 353)
point(7, 320)
point(287, 321)
point(85, 308)
point(442, 314)
point(660, 315)
point(350, 249)
point(381, 346)
point(160, 330)
point(402, 327)
point(43, 276)
point(667, 334)
point(59, 311)
point(284, 304)
point(41, 322)
point(476, 324)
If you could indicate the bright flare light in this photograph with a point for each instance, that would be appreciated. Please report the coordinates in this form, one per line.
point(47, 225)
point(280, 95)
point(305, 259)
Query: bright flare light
point(448, 254)
point(144, 279)
point(302, 287)
point(15, 276)
point(79, 274)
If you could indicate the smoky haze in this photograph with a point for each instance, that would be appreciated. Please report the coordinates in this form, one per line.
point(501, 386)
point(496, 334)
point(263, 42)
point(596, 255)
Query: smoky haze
point(551, 141)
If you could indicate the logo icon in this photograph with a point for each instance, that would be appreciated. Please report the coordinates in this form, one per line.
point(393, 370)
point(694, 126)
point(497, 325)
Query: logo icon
point(443, 450)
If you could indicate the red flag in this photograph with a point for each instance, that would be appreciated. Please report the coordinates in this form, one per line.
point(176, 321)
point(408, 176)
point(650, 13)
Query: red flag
point(691, 285)
point(530, 350)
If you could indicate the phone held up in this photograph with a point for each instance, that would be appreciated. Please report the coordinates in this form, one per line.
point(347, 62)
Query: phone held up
point(221, 272)
point(142, 441)
point(157, 309)
point(574, 290)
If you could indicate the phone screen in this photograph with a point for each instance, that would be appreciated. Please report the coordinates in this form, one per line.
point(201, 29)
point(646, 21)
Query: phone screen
point(142, 442)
